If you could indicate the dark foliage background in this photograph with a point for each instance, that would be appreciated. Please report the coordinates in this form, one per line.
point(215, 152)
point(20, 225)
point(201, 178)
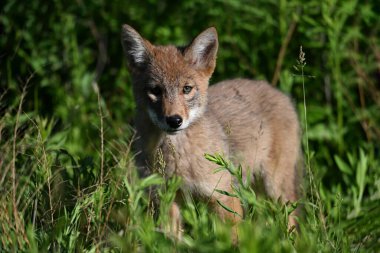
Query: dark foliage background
point(60, 53)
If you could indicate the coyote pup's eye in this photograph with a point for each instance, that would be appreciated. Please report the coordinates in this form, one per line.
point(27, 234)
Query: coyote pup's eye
point(187, 89)
point(155, 90)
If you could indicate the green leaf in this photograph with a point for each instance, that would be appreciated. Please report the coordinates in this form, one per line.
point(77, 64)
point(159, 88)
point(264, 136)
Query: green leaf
point(151, 180)
point(226, 193)
point(227, 208)
point(342, 166)
point(211, 158)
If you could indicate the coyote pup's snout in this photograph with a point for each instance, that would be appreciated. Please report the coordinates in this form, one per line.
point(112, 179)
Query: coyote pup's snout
point(172, 81)
point(247, 121)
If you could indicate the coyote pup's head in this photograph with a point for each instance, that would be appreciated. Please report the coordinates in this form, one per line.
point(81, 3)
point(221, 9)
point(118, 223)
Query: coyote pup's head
point(170, 83)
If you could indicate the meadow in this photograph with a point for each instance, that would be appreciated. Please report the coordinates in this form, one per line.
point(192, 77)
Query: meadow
point(68, 182)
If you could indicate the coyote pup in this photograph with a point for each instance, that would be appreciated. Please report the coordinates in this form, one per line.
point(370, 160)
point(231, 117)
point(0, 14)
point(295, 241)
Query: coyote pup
point(177, 112)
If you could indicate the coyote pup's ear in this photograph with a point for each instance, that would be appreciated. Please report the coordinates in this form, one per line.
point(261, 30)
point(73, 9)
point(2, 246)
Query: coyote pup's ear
point(135, 47)
point(202, 51)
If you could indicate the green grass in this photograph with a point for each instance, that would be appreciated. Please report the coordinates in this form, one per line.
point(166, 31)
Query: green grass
point(67, 177)
point(54, 201)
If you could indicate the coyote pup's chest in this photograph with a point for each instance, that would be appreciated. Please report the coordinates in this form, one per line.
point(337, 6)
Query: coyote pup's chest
point(184, 157)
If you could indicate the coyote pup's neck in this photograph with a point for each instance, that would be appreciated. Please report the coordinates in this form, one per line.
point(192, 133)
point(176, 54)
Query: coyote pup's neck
point(170, 86)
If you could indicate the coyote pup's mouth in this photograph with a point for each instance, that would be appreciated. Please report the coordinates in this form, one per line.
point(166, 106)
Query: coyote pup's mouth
point(194, 115)
point(163, 126)
point(173, 131)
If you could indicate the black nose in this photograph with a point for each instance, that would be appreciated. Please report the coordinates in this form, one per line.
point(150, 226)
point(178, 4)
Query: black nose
point(174, 121)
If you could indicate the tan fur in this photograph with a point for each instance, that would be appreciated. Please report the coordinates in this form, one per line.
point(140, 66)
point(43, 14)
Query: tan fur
point(247, 121)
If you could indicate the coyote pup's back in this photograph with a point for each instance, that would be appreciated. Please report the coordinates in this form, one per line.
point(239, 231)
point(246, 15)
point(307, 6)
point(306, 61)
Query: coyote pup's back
point(263, 132)
point(246, 121)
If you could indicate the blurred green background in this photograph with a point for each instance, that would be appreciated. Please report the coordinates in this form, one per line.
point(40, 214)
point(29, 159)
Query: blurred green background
point(63, 47)
point(60, 51)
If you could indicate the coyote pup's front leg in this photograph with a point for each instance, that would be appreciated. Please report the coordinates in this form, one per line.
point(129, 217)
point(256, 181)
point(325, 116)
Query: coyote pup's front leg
point(235, 205)
point(175, 222)
point(176, 228)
